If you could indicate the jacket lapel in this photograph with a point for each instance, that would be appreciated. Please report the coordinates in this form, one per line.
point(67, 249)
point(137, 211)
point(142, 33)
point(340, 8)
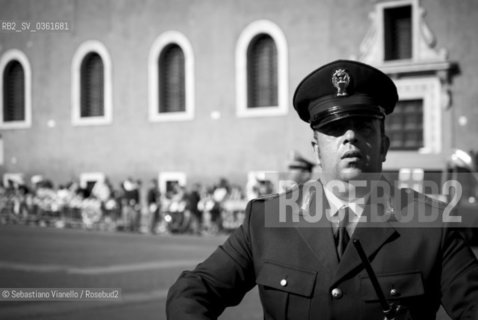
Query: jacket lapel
point(372, 235)
point(318, 236)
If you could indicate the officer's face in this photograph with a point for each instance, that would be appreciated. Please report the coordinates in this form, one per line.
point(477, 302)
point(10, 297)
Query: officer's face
point(348, 148)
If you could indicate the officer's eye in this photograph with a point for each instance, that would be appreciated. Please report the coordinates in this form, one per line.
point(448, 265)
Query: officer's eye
point(366, 127)
point(359, 125)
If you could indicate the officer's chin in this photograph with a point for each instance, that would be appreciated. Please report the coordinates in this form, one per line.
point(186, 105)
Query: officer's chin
point(359, 174)
point(353, 174)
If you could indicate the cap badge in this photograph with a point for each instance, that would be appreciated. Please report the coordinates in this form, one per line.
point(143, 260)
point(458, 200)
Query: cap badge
point(341, 80)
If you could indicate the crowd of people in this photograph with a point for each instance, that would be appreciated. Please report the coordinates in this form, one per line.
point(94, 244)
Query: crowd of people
point(130, 207)
point(133, 207)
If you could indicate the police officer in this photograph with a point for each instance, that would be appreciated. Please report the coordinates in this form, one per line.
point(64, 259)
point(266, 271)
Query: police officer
point(302, 262)
point(300, 169)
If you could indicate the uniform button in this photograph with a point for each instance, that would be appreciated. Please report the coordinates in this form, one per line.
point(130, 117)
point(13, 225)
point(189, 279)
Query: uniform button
point(283, 282)
point(337, 293)
point(394, 293)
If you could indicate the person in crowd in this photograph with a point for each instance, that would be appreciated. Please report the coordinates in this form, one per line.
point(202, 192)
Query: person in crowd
point(153, 200)
point(300, 169)
point(130, 204)
point(193, 198)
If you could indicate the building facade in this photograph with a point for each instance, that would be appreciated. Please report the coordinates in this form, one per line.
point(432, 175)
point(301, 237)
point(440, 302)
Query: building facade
point(198, 90)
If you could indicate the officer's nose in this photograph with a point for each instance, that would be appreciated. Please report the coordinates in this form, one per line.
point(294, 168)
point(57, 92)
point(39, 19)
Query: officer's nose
point(350, 135)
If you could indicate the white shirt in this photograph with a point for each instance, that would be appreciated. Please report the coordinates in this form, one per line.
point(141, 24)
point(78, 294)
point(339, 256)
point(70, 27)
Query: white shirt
point(357, 206)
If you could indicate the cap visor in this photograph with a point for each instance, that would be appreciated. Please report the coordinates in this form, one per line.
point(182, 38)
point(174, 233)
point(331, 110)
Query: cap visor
point(339, 116)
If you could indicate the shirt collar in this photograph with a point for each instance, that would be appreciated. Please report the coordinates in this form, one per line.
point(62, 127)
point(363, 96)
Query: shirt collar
point(357, 206)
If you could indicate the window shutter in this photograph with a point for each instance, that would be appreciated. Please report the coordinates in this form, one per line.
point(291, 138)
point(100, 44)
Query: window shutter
point(172, 84)
point(92, 86)
point(398, 33)
point(405, 125)
point(13, 92)
point(262, 72)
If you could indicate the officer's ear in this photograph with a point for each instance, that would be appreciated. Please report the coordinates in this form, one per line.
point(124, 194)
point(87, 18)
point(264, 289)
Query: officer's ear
point(315, 146)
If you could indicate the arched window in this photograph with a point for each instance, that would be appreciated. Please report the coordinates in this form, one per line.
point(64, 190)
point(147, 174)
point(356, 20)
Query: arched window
point(261, 71)
point(171, 78)
point(172, 84)
point(13, 92)
point(262, 75)
point(92, 86)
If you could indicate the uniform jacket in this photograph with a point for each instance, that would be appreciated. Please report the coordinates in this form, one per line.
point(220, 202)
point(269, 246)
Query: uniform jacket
point(300, 277)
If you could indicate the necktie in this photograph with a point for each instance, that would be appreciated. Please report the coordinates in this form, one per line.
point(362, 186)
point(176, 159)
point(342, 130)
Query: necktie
point(342, 234)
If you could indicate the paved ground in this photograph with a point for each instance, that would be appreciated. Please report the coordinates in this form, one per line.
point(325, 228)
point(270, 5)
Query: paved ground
point(143, 266)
